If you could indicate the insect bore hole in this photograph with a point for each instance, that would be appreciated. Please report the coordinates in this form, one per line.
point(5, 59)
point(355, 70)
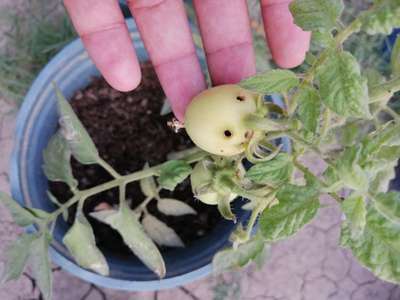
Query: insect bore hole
point(240, 98)
point(228, 133)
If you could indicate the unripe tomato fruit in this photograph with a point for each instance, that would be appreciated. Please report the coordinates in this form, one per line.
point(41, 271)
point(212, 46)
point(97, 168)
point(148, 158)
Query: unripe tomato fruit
point(201, 177)
point(214, 119)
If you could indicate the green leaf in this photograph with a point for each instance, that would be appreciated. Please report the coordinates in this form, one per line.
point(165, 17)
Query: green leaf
point(322, 38)
point(274, 81)
point(383, 18)
point(173, 207)
point(374, 78)
point(79, 141)
point(309, 108)
point(160, 233)
point(316, 14)
point(56, 158)
point(352, 132)
point(297, 206)
point(378, 248)
point(349, 170)
point(41, 266)
point(389, 135)
point(81, 243)
point(16, 256)
point(388, 204)
point(172, 173)
point(355, 211)
point(395, 58)
point(21, 216)
point(229, 259)
point(274, 171)
point(388, 153)
point(342, 88)
point(127, 224)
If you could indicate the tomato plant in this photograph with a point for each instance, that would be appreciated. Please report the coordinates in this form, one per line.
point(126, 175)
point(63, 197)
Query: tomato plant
point(334, 111)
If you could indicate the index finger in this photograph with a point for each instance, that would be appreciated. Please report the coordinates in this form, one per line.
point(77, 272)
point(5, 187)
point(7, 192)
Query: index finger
point(103, 30)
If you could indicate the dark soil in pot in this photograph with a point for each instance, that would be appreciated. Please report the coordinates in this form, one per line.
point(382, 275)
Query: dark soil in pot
point(129, 131)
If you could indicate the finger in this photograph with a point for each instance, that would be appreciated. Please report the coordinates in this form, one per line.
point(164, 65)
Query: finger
point(226, 35)
point(288, 42)
point(164, 29)
point(102, 28)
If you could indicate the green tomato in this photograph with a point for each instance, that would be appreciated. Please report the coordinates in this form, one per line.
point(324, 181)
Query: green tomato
point(202, 177)
point(214, 119)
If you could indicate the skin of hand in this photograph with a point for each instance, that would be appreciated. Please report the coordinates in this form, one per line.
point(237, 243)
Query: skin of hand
point(164, 28)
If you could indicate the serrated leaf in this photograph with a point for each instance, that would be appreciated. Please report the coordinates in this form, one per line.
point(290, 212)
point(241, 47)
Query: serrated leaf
point(21, 216)
point(274, 81)
point(173, 207)
point(229, 259)
point(378, 248)
point(388, 204)
point(383, 18)
point(172, 173)
point(297, 206)
point(349, 170)
point(395, 58)
point(342, 88)
point(274, 171)
point(309, 108)
point(127, 224)
point(56, 161)
point(16, 255)
point(81, 243)
point(41, 266)
point(355, 211)
point(160, 233)
point(381, 182)
point(316, 14)
point(79, 141)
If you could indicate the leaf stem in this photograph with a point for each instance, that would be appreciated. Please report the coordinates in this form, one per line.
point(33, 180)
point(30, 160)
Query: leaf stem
point(108, 168)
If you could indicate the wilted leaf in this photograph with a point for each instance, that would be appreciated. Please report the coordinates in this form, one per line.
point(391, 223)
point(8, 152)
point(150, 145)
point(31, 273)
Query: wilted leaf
point(297, 206)
point(173, 207)
point(148, 185)
point(56, 157)
point(355, 211)
point(274, 171)
point(316, 14)
point(41, 266)
point(81, 243)
point(395, 59)
point(388, 204)
point(224, 207)
point(79, 141)
point(172, 173)
point(229, 259)
point(378, 248)
point(309, 107)
point(160, 232)
point(383, 18)
point(127, 224)
point(21, 216)
point(16, 256)
point(274, 81)
point(342, 88)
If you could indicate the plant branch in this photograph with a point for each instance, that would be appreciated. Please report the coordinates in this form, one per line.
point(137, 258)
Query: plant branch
point(108, 168)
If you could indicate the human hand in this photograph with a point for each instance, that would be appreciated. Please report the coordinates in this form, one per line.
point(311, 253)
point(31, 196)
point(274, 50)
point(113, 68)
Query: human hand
point(163, 26)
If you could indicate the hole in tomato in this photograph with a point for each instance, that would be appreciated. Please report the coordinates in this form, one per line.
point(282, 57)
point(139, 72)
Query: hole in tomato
point(227, 133)
point(240, 98)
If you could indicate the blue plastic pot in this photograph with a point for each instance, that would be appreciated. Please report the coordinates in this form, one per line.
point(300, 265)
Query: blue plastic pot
point(72, 70)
